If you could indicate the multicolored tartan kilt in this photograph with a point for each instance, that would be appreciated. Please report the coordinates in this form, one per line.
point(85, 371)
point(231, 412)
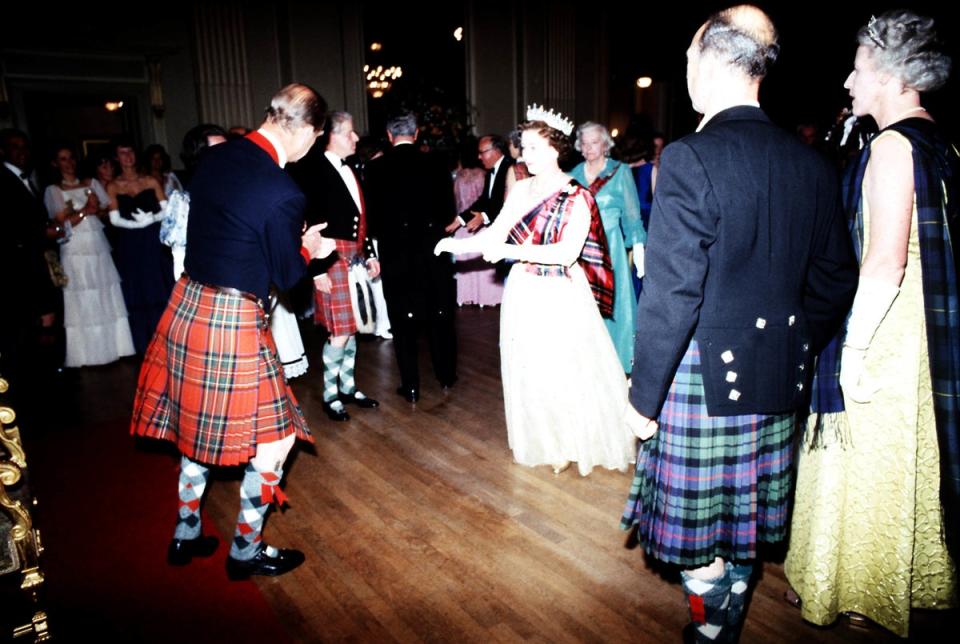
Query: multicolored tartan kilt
point(211, 381)
point(333, 310)
point(710, 486)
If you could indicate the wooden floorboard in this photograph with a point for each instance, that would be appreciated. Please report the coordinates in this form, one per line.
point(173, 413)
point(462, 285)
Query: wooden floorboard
point(418, 526)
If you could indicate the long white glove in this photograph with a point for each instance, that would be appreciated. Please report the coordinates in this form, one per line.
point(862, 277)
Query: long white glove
point(871, 304)
point(151, 217)
point(131, 224)
point(638, 257)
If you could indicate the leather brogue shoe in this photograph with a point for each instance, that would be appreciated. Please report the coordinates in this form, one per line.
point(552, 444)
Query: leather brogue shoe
point(360, 400)
point(334, 413)
point(263, 563)
point(182, 551)
point(411, 394)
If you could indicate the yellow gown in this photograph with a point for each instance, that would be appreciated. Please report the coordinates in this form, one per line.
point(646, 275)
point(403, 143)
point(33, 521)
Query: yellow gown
point(867, 535)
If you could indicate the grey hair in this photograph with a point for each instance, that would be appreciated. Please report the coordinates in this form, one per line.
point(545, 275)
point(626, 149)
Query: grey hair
point(905, 45)
point(744, 37)
point(336, 119)
point(296, 106)
point(608, 141)
point(404, 124)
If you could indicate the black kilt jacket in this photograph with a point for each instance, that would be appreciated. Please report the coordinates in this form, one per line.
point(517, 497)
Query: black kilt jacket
point(749, 254)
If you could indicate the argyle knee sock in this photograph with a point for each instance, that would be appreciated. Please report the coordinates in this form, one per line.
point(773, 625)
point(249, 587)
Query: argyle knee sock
point(739, 584)
point(347, 384)
point(332, 361)
point(257, 491)
point(193, 482)
point(708, 600)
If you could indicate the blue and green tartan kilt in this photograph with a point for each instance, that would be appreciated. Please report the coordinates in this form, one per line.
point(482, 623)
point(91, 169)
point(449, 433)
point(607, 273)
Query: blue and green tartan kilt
point(710, 486)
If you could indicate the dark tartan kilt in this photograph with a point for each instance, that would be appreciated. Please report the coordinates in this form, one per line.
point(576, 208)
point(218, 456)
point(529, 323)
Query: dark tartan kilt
point(211, 381)
point(334, 310)
point(710, 486)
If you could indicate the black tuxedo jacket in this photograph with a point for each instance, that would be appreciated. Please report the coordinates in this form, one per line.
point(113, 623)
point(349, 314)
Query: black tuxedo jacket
point(26, 290)
point(748, 254)
point(328, 199)
point(409, 202)
point(493, 204)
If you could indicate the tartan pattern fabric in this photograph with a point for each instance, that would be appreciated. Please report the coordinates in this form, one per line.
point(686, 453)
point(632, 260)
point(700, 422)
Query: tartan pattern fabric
point(546, 222)
point(211, 381)
point(192, 484)
point(709, 601)
point(334, 310)
point(710, 486)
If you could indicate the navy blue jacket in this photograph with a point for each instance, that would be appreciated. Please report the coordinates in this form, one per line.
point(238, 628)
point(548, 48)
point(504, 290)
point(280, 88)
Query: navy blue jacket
point(748, 253)
point(246, 217)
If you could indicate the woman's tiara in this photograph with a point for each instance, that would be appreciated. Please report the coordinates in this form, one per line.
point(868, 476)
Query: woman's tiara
point(874, 34)
point(553, 119)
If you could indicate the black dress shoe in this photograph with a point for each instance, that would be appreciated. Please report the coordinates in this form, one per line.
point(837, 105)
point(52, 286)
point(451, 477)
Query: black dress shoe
point(182, 551)
point(363, 402)
point(410, 393)
point(335, 414)
point(263, 564)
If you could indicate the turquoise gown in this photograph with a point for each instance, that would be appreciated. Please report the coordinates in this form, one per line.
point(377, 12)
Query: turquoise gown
point(620, 213)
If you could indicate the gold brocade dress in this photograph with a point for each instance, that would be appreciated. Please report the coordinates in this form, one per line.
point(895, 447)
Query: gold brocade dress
point(867, 535)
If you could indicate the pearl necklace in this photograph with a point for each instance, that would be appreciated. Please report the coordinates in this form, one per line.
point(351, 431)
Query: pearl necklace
point(75, 182)
point(900, 116)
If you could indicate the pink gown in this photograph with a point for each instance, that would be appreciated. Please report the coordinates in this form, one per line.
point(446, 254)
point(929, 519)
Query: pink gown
point(477, 281)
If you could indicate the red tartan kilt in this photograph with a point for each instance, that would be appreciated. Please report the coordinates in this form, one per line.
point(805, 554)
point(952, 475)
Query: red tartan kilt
point(211, 381)
point(333, 310)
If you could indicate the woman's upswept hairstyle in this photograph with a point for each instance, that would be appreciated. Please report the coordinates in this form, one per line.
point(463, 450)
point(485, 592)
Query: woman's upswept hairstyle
point(555, 138)
point(608, 141)
point(297, 105)
point(905, 45)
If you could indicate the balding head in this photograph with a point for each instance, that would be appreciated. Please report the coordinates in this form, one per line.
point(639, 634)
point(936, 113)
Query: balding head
point(743, 37)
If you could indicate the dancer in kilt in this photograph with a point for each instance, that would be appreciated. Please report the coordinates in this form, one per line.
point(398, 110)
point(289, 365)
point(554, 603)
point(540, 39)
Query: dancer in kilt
point(334, 197)
point(211, 381)
point(749, 271)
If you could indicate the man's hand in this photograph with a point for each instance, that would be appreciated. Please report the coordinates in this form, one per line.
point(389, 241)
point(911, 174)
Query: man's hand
point(476, 222)
point(323, 283)
point(641, 426)
point(452, 226)
point(317, 245)
point(373, 268)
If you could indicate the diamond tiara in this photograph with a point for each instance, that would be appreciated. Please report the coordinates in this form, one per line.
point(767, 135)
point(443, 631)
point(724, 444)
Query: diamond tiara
point(874, 34)
point(554, 119)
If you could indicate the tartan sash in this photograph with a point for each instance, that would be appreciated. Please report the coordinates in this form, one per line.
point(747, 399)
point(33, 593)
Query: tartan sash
point(597, 184)
point(546, 222)
point(935, 168)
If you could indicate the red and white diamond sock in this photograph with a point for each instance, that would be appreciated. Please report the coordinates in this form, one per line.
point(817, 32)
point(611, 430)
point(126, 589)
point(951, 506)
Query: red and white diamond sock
point(193, 483)
point(257, 492)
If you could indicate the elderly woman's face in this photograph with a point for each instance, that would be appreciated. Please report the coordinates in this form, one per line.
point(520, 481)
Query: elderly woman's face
point(592, 145)
point(865, 82)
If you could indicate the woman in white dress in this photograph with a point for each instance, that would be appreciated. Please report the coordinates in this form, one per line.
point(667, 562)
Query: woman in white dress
point(95, 317)
point(563, 386)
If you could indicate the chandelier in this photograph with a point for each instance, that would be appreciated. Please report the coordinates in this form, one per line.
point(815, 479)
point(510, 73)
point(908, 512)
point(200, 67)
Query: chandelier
point(380, 79)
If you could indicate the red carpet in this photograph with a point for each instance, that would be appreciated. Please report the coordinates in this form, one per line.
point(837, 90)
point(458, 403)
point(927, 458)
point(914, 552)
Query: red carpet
point(106, 515)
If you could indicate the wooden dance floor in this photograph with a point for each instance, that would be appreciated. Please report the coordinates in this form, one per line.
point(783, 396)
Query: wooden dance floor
point(418, 526)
